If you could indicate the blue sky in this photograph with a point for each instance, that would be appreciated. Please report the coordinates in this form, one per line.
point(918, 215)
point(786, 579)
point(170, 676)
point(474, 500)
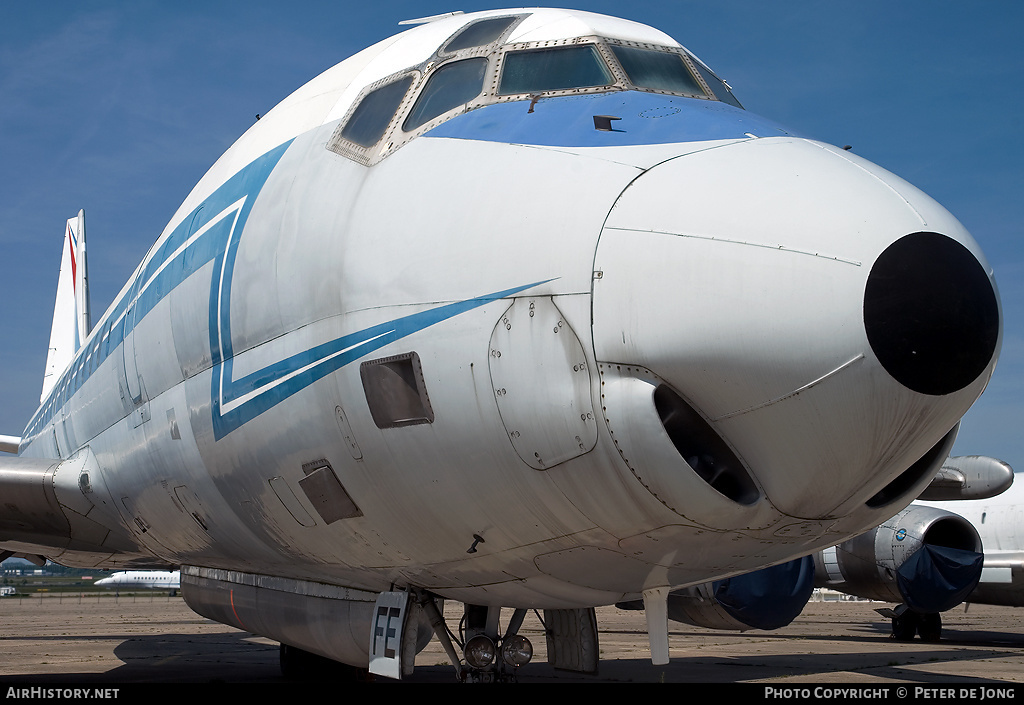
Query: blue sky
point(119, 108)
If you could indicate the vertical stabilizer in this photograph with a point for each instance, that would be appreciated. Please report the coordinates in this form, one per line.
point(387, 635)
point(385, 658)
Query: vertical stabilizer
point(71, 319)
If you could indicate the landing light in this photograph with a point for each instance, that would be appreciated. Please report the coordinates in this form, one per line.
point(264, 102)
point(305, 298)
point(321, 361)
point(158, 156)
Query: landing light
point(517, 651)
point(479, 651)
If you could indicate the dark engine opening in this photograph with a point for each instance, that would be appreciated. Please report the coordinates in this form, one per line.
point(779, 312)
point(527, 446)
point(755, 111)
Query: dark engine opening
point(703, 449)
point(926, 465)
point(951, 533)
point(931, 314)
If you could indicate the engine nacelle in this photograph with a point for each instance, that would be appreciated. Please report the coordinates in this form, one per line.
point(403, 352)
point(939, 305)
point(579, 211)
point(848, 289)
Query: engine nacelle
point(969, 477)
point(926, 558)
point(764, 599)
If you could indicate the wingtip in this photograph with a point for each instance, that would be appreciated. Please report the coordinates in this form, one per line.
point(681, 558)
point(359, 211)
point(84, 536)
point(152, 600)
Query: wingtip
point(10, 444)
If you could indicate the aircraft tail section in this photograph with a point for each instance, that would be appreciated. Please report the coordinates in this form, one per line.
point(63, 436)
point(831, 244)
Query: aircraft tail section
point(71, 318)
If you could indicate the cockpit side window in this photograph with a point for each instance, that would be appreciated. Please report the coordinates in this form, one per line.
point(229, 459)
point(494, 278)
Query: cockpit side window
point(553, 69)
point(657, 70)
point(451, 85)
point(719, 87)
point(479, 33)
point(370, 120)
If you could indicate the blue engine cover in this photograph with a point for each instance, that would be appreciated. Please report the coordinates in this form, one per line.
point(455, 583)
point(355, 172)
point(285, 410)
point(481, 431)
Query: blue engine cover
point(936, 578)
point(768, 598)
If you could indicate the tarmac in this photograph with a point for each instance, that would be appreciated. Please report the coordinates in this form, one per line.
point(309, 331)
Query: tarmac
point(146, 639)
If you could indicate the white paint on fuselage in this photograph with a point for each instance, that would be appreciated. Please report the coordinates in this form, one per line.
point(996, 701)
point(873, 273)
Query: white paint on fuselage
point(331, 248)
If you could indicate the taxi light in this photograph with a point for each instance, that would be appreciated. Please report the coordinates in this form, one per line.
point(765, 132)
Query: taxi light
point(517, 651)
point(479, 651)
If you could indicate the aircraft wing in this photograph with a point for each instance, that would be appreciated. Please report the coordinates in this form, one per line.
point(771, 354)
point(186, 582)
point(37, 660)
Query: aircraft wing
point(47, 511)
point(9, 444)
point(1002, 580)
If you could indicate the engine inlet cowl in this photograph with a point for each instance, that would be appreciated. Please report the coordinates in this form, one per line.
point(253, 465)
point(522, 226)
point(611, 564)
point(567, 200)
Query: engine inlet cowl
point(924, 557)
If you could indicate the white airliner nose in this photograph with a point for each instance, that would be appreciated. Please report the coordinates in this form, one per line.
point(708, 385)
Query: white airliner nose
point(812, 326)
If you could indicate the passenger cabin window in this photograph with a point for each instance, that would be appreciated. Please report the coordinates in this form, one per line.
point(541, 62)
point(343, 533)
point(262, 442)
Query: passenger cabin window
point(479, 33)
point(559, 68)
point(657, 70)
point(370, 120)
point(449, 86)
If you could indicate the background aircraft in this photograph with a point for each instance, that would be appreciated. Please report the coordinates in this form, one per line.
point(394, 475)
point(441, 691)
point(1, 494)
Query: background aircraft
point(929, 558)
point(151, 536)
point(878, 566)
point(1000, 523)
point(143, 579)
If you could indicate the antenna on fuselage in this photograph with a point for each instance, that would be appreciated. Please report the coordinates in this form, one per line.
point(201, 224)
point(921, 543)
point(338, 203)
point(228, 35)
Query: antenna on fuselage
point(432, 18)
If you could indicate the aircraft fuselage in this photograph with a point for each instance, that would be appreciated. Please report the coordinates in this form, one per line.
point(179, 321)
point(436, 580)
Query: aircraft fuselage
point(457, 363)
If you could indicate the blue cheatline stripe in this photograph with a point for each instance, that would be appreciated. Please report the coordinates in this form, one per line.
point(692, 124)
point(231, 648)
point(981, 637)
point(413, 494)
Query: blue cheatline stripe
point(646, 118)
point(235, 402)
point(163, 272)
point(215, 228)
point(273, 384)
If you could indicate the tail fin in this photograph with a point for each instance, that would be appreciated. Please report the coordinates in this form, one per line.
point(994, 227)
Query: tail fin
point(71, 319)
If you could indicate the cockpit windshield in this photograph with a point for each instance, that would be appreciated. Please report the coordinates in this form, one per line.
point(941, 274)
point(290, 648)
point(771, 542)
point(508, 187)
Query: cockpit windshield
point(554, 69)
point(451, 85)
point(371, 118)
point(477, 66)
point(657, 70)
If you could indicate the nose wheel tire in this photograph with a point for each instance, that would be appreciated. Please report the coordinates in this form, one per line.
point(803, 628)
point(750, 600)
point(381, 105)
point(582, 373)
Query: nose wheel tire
point(929, 627)
point(906, 625)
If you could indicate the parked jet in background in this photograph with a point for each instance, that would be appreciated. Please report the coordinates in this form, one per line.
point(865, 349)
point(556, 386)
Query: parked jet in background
point(143, 579)
point(615, 336)
point(927, 558)
point(934, 556)
point(1000, 523)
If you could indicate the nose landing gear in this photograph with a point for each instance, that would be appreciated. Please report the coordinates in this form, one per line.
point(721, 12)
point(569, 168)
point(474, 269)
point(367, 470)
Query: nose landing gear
point(486, 656)
point(906, 623)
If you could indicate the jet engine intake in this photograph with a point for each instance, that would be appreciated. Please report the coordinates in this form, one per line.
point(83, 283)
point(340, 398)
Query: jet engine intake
point(926, 558)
